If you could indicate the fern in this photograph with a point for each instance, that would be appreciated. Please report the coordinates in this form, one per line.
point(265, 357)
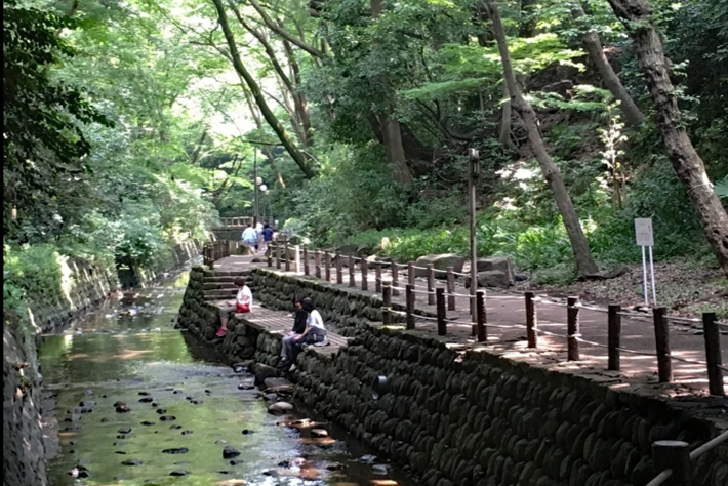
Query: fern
point(721, 188)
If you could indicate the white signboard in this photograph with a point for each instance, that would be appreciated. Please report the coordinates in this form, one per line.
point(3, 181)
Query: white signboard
point(643, 229)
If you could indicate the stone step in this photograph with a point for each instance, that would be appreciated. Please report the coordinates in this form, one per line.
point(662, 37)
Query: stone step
point(221, 279)
point(219, 286)
point(220, 294)
point(231, 273)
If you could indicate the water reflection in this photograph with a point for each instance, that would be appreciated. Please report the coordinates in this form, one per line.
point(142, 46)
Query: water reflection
point(134, 406)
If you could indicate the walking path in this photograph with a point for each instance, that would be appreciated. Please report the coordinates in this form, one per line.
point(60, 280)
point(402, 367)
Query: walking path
point(506, 331)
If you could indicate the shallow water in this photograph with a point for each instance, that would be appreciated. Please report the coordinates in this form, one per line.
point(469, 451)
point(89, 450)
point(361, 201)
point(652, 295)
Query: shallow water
point(175, 400)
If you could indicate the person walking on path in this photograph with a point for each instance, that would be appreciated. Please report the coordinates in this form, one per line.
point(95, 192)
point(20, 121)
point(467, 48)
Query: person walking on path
point(250, 239)
point(289, 349)
point(243, 303)
point(267, 237)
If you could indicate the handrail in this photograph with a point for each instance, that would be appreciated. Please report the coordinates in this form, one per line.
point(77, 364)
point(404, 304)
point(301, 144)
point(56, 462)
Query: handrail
point(667, 473)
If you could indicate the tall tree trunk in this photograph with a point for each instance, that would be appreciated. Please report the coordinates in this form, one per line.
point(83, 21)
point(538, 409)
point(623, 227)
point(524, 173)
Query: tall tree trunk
point(300, 103)
point(632, 114)
point(303, 163)
point(504, 134)
point(686, 161)
point(585, 264)
point(266, 149)
point(391, 129)
point(392, 135)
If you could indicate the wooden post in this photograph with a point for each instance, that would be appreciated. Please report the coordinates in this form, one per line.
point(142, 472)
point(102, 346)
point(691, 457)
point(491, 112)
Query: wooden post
point(531, 321)
point(410, 305)
point(482, 319)
point(327, 266)
point(306, 263)
point(352, 271)
point(441, 324)
point(431, 284)
point(711, 335)
point(317, 263)
point(287, 255)
point(278, 255)
point(662, 344)
point(270, 257)
point(395, 277)
point(614, 325)
point(411, 272)
point(572, 328)
point(673, 455)
point(364, 274)
point(387, 303)
point(474, 172)
point(450, 289)
point(297, 260)
point(339, 276)
point(377, 277)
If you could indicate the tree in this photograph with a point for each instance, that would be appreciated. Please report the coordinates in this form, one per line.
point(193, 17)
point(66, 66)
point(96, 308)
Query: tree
point(585, 264)
point(688, 165)
point(632, 114)
point(43, 144)
point(301, 160)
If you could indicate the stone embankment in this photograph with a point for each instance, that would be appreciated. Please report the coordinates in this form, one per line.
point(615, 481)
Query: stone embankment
point(86, 285)
point(457, 417)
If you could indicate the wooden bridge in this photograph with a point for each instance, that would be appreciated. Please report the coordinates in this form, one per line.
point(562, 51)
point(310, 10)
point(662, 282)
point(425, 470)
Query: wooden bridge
point(234, 223)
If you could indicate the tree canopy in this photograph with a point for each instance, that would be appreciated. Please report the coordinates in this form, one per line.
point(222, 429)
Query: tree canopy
point(129, 126)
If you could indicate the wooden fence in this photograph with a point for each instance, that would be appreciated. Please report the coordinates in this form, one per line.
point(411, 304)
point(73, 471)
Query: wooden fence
point(443, 300)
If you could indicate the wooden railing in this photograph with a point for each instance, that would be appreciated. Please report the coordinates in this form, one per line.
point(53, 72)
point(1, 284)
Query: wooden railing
point(284, 256)
point(214, 250)
point(234, 222)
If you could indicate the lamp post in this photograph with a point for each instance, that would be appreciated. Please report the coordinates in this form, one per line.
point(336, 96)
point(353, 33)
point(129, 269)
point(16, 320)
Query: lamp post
point(255, 189)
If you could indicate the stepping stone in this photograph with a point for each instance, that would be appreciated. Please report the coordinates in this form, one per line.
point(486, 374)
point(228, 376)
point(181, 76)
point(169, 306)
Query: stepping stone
point(179, 473)
point(176, 450)
point(229, 452)
point(280, 407)
point(147, 423)
point(319, 433)
point(165, 418)
point(146, 400)
point(124, 430)
point(248, 432)
point(132, 462)
point(177, 427)
point(161, 410)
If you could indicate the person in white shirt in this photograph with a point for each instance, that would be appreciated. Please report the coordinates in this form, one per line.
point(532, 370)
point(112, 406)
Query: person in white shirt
point(243, 303)
point(315, 331)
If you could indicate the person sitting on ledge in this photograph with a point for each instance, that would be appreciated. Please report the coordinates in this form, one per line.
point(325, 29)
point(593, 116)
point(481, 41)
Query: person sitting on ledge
point(289, 350)
point(242, 304)
point(315, 332)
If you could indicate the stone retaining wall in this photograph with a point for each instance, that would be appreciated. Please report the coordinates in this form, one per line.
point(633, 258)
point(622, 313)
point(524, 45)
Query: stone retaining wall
point(23, 450)
point(88, 284)
point(466, 419)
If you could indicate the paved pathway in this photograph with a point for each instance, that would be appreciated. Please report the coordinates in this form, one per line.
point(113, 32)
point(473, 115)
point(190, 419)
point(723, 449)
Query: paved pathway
point(638, 369)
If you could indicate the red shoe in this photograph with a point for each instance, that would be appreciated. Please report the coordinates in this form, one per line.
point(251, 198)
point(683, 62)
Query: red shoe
point(220, 332)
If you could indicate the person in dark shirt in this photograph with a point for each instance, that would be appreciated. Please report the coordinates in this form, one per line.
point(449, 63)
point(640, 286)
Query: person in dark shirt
point(267, 234)
point(288, 348)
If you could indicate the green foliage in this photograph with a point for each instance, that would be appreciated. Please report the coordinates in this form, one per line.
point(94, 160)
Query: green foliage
point(43, 145)
point(30, 271)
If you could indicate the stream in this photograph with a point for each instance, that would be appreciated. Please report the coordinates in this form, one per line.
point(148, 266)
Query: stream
point(129, 401)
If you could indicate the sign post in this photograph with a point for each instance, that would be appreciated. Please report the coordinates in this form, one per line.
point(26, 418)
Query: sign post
point(643, 230)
